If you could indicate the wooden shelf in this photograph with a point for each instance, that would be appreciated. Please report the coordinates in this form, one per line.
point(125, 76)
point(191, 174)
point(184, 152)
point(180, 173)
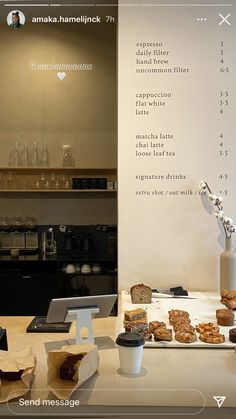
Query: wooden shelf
point(59, 190)
point(25, 179)
point(78, 170)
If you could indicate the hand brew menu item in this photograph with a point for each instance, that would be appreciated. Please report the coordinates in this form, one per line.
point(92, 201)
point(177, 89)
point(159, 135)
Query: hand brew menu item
point(177, 127)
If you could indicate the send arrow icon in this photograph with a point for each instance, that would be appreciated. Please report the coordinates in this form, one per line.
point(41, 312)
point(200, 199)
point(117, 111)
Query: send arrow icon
point(219, 400)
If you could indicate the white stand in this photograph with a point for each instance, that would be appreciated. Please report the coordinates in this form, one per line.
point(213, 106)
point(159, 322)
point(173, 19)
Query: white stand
point(83, 318)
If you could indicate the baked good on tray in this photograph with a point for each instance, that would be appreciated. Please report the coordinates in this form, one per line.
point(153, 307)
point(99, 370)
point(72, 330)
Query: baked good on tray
point(141, 294)
point(136, 326)
point(176, 313)
point(185, 337)
point(212, 337)
point(225, 317)
point(183, 327)
point(163, 334)
point(175, 321)
point(146, 334)
point(228, 298)
point(207, 327)
point(156, 325)
point(232, 335)
point(136, 314)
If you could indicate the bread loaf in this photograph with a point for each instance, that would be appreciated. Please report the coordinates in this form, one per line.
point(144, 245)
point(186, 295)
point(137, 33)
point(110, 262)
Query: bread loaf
point(141, 294)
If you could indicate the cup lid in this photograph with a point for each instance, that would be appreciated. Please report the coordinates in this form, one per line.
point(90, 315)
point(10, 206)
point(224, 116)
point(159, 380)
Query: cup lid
point(130, 339)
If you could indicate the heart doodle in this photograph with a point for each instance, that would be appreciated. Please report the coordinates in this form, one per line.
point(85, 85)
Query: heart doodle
point(61, 76)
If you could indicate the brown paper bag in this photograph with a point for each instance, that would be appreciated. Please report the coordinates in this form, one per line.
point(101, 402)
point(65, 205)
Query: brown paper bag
point(15, 361)
point(63, 389)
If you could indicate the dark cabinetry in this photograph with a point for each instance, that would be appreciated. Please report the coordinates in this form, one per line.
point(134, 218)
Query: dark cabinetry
point(28, 283)
point(26, 290)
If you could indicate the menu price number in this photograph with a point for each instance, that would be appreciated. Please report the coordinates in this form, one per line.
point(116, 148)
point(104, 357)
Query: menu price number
point(224, 176)
point(223, 68)
point(224, 100)
point(224, 153)
point(224, 192)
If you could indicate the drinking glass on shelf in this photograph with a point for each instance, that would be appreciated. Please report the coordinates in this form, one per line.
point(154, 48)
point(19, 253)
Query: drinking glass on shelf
point(44, 160)
point(34, 155)
point(65, 182)
point(25, 156)
point(68, 159)
point(14, 157)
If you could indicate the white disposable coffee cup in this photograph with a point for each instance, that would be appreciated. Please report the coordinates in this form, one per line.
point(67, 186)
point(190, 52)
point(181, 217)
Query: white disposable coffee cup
point(130, 347)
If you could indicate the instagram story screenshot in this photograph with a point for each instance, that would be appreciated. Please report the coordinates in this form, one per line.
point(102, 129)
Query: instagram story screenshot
point(117, 209)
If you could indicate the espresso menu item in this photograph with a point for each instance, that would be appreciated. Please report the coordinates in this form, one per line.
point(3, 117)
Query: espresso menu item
point(141, 294)
point(11, 375)
point(69, 368)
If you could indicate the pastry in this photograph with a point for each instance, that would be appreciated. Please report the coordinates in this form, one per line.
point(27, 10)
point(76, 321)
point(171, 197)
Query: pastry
point(136, 325)
point(11, 375)
point(212, 337)
point(185, 337)
point(183, 327)
point(179, 320)
point(232, 335)
point(146, 334)
point(131, 315)
point(69, 368)
point(163, 334)
point(176, 313)
point(228, 298)
point(225, 317)
point(141, 294)
point(207, 327)
point(156, 325)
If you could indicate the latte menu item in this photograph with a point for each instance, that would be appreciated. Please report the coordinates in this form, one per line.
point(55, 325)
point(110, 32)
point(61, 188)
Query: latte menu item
point(225, 317)
point(141, 294)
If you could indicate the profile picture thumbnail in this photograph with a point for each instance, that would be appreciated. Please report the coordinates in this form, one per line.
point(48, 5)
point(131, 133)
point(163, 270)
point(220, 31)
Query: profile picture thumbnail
point(16, 19)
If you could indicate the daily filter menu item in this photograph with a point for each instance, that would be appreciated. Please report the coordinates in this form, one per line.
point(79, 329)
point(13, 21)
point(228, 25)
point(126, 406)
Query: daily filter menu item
point(177, 127)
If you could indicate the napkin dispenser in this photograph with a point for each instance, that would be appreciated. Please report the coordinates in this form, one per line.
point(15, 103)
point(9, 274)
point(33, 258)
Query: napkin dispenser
point(3, 340)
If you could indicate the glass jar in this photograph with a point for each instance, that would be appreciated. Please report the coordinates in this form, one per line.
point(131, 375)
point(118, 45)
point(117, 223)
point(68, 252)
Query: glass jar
point(68, 160)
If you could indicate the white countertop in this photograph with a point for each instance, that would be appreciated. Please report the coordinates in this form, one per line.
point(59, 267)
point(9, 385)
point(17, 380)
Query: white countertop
point(169, 376)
